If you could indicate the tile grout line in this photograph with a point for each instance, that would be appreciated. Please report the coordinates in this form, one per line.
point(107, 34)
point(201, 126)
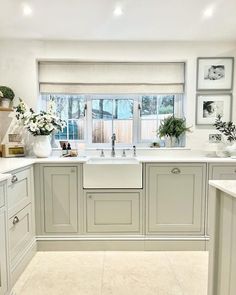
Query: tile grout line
point(174, 273)
point(103, 267)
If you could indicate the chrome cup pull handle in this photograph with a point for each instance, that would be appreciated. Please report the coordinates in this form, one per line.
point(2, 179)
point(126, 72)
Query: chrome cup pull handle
point(14, 179)
point(15, 220)
point(176, 171)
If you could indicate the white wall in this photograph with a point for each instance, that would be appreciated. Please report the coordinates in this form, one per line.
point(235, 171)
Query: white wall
point(18, 67)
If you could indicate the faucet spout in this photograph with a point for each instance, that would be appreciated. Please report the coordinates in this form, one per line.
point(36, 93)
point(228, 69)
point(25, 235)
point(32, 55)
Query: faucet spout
point(113, 140)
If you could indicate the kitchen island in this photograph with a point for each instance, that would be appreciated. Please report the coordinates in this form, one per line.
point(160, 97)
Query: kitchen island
point(222, 247)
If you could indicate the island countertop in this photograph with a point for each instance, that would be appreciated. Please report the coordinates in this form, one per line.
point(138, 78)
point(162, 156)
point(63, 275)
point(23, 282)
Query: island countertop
point(226, 186)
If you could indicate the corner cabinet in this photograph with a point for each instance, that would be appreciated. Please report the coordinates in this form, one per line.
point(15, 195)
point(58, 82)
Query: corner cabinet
point(175, 195)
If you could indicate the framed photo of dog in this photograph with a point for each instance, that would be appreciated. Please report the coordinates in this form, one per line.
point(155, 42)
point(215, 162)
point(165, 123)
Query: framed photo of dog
point(215, 73)
point(209, 106)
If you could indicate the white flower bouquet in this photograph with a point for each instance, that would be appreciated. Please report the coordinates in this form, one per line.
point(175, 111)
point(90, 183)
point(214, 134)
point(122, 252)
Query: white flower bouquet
point(42, 123)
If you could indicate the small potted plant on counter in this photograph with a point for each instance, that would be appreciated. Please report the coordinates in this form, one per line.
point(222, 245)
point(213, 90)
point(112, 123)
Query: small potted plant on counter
point(6, 96)
point(172, 128)
point(229, 130)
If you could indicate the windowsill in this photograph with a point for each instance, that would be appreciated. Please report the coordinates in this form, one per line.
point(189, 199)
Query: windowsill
point(138, 148)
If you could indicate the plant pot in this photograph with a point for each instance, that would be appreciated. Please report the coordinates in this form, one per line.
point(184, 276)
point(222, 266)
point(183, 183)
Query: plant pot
point(170, 141)
point(231, 149)
point(42, 146)
point(5, 103)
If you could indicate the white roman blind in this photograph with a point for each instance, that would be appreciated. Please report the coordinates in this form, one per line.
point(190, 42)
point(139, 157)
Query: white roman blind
point(111, 77)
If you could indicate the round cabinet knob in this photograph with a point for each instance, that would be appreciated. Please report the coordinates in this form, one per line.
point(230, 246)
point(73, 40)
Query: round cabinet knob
point(175, 171)
point(14, 179)
point(90, 196)
point(15, 220)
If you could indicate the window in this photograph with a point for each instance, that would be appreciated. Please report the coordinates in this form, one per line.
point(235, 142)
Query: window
point(70, 108)
point(133, 118)
point(100, 98)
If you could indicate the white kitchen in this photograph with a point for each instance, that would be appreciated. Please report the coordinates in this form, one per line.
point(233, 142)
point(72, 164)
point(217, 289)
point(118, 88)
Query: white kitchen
point(117, 147)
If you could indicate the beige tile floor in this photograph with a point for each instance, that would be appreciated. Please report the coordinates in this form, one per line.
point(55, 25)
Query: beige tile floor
point(118, 273)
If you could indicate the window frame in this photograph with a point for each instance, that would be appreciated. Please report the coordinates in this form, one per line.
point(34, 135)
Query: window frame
point(137, 100)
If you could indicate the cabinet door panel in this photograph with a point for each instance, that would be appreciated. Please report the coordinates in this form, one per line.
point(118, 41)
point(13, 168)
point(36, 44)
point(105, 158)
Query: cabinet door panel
point(113, 212)
point(3, 254)
point(60, 199)
point(175, 199)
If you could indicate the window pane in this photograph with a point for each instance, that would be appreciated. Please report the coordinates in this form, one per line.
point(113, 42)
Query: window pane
point(71, 109)
point(123, 109)
point(149, 107)
point(112, 116)
point(166, 105)
point(123, 130)
point(102, 131)
point(102, 109)
point(153, 110)
point(148, 129)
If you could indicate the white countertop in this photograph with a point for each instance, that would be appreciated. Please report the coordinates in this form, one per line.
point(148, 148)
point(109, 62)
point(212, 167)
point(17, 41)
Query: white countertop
point(9, 164)
point(4, 177)
point(226, 186)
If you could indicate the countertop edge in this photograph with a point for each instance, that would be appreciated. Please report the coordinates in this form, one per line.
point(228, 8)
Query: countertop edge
point(226, 186)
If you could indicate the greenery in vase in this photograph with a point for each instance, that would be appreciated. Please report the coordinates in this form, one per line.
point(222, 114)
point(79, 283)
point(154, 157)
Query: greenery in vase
point(6, 92)
point(42, 123)
point(172, 127)
point(227, 128)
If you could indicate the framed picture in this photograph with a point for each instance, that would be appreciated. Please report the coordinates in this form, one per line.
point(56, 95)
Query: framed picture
point(209, 106)
point(215, 73)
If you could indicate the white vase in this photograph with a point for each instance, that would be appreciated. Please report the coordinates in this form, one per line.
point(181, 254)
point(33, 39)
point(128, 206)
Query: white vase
point(170, 141)
point(42, 146)
point(231, 149)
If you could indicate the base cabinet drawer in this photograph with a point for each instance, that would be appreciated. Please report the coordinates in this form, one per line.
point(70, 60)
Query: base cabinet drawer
point(19, 190)
point(113, 212)
point(20, 233)
point(3, 254)
point(175, 199)
point(223, 172)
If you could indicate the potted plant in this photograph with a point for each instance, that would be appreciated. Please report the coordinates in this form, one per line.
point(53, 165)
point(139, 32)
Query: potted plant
point(172, 128)
point(229, 130)
point(41, 125)
point(6, 96)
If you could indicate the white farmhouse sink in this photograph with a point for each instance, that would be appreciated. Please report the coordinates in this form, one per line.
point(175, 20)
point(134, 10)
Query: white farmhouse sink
point(112, 173)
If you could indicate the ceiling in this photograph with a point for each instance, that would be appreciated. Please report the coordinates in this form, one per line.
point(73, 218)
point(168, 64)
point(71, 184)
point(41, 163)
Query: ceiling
point(149, 20)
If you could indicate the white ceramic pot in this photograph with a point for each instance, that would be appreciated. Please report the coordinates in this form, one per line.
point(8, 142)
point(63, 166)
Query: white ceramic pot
point(170, 142)
point(42, 146)
point(231, 149)
point(5, 103)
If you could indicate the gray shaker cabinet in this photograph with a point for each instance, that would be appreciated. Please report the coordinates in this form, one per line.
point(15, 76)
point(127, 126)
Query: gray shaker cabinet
point(60, 186)
point(4, 267)
point(175, 199)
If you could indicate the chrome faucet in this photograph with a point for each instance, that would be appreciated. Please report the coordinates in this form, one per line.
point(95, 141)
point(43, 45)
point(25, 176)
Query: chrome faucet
point(113, 139)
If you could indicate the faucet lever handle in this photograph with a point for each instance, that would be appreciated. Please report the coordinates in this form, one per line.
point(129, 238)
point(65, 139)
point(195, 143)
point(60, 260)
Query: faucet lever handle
point(102, 152)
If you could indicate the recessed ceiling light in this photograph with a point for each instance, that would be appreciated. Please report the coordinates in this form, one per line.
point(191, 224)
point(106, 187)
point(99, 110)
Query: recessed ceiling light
point(209, 11)
point(27, 10)
point(118, 11)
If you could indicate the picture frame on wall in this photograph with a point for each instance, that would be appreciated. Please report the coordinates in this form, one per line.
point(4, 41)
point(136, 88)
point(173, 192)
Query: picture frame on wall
point(209, 106)
point(215, 73)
